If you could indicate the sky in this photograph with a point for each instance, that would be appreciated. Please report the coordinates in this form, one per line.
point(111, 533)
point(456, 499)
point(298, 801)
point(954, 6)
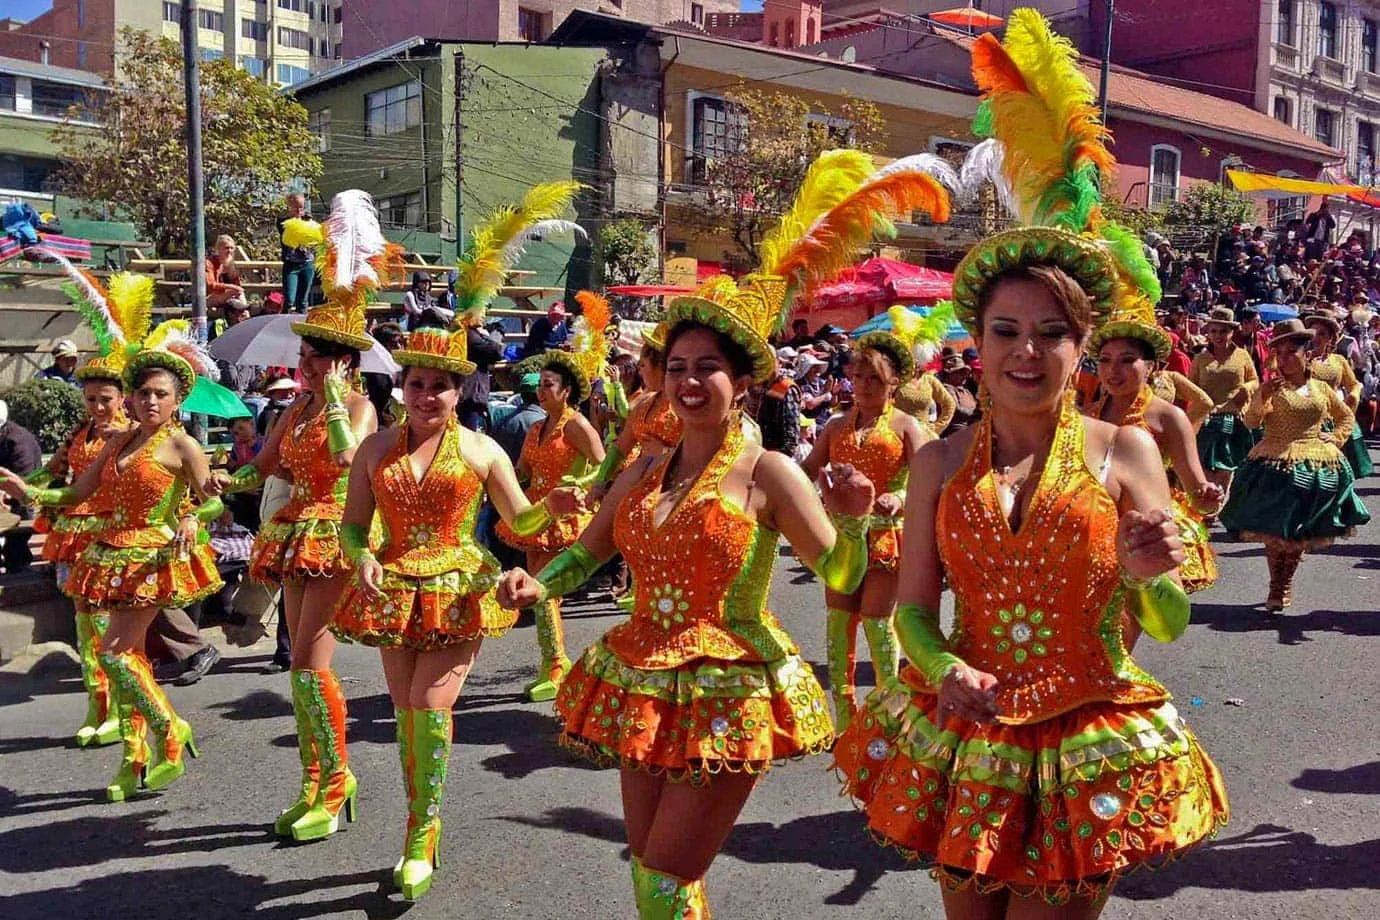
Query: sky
point(24, 10)
point(751, 6)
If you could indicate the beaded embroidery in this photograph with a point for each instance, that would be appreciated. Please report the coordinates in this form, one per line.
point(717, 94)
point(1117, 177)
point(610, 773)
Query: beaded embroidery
point(318, 482)
point(144, 498)
point(1222, 379)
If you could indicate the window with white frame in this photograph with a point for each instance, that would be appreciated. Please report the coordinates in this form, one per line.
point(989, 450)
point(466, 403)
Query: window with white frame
point(403, 210)
point(54, 99)
point(1327, 29)
point(394, 109)
point(254, 30)
point(7, 94)
point(1283, 111)
point(1164, 175)
point(289, 74)
point(210, 20)
point(172, 12)
point(1324, 126)
point(1365, 153)
point(1279, 211)
point(697, 13)
point(1284, 23)
point(837, 131)
point(716, 130)
point(319, 124)
point(1368, 45)
point(294, 38)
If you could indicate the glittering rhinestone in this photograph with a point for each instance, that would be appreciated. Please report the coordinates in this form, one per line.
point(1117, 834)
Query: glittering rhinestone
point(423, 538)
point(116, 581)
point(666, 886)
point(877, 749)
point(817, 704)
point(665, 605)
point(1021, 632)
point(438, 753)
point(1106, 805)
point(719, 726)
point(432, 810)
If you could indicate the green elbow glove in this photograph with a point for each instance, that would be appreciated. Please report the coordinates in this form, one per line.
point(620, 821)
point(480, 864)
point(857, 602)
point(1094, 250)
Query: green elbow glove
point(613, 459)
point(51, 497)
point(209, 510)
point(567, 571)
point(354, 542)
point(924, 643)
point(842, 566)
point(340, 437)
point(245, 479)
point(1159, 605)
point(39, 477)
point(532, 520)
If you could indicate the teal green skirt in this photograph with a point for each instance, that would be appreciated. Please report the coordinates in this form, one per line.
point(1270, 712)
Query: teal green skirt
point(1357, 455)
point(1223, 442)
point(1307, 503)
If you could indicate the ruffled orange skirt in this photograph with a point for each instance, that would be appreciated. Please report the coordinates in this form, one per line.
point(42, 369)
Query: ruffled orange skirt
point(69, 536)
point(691, 722)
point(423, 614)
point(560, 534)
point(143, 576)
point(290, 550)
point(1050, 809)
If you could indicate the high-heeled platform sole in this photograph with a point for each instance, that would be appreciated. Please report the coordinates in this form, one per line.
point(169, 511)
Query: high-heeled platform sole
point(319, 828)
point(412, 889)
point(166, 772)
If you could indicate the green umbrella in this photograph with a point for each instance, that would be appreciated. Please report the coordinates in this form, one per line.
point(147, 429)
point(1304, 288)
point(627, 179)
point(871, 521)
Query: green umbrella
point(210, 398)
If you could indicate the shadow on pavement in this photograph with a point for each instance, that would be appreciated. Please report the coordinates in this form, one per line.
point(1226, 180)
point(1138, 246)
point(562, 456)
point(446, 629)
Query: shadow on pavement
point(1293, 628)
point(13, 804)
point(1362, 779)
point(530, 735)
point(1268, 858)
point(834, 842)
point(91, 842)
point(21, 688)
point(209, 893)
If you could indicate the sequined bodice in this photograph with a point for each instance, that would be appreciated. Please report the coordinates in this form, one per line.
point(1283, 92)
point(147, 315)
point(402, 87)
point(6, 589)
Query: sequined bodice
point(318, 482)
point(878, 453)
point(81, 453)
point(1039, 608)
point(428, 525)
point(701, 576)
point(145, 498)
point(549, 459)
point(1221, 379)
point(655, 420)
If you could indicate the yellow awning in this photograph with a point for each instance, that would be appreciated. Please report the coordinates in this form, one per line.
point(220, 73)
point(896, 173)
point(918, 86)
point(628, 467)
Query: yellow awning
point(1262, 183)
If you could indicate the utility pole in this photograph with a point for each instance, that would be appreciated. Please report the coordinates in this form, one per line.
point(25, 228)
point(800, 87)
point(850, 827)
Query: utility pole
point(191, 75)
point(459, 61)
point(1106, 59)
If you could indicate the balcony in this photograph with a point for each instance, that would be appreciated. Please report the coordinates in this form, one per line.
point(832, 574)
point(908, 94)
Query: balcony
point(1368, 84)
point(1329, 69)
point(1285, 57)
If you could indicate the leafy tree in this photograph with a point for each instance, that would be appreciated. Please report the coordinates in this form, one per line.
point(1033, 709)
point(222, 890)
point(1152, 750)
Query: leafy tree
point(255, 147)
point(774, 140)
point(627, 254)
point(48, 408)
point(1208, 208)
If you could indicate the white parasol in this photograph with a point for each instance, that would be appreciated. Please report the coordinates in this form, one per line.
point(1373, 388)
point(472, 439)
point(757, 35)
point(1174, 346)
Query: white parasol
point(268, 341)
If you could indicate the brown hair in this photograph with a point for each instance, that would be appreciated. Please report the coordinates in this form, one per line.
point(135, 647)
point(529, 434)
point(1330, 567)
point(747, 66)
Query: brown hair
point(880, 361)
point(1070, 297)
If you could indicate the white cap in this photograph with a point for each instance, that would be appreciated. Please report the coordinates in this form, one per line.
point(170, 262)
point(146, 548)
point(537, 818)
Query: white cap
point(64, 348)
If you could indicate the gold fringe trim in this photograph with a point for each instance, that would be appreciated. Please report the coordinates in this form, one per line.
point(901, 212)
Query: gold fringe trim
point(604, 757)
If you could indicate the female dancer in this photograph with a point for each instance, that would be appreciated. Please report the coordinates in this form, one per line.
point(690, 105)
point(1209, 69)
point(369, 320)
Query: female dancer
point(424, 597)
point(1335, 371)
point(1173, 387)
point(313, 444)
point(923, 391)
point(652, 426)
point(1295, 492)
point(708, 689)
point(878, 442)
point(1026, 754)
point(1226, 372)
point(147, 557)
point(563, 447)
point(1128, 348)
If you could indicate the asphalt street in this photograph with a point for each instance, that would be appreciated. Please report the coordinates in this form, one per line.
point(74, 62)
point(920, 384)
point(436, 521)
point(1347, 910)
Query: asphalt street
point(1286, 707)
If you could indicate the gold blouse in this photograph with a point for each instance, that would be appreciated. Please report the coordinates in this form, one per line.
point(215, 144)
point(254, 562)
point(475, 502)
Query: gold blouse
point(1293, 420)
point(1223, 380)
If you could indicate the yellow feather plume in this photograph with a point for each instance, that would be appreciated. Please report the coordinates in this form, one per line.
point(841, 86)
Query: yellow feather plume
point(131, 303)
point(496, 244)
point(1041, 109)
point(301, 232)
point(831, 178)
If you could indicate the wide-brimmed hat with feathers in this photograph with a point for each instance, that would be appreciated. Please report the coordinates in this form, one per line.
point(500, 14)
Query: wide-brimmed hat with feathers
point(120, 317)
point(913, 340)
point(843, 203)
point(1138, 293)
point(353, 260)
point(589, 349)
point(1046, 153)
point(436, 348)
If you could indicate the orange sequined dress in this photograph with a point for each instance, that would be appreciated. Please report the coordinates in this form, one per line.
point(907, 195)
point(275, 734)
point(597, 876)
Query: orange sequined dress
point(550, 460)
point(71, 530)
point(879, 453)
point(1089, 771)
point(653, 419)
point(302, 540)
point(701, 678)
point(132, 562)
point(1199, 568)
point(438, 582)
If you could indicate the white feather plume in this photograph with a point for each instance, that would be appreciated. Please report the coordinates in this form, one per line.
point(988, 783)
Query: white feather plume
point(983, 164)
point(175, 336)
point(543, 228)
point(353, 229)
point(928, 163)
point(94, 295)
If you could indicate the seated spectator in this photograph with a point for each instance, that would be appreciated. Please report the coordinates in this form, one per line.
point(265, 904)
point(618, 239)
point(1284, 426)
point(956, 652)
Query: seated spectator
point(223, 282)
point(20, 453)
point(548, 332)
point(64, 366)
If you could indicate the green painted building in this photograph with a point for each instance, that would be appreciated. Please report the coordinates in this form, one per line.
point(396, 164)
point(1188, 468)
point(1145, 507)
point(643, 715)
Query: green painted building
point(441, 133)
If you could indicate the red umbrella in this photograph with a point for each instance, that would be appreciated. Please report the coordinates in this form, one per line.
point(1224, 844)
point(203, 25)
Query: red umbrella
point(878, 283)
point(647, 290)
point(967, 18)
